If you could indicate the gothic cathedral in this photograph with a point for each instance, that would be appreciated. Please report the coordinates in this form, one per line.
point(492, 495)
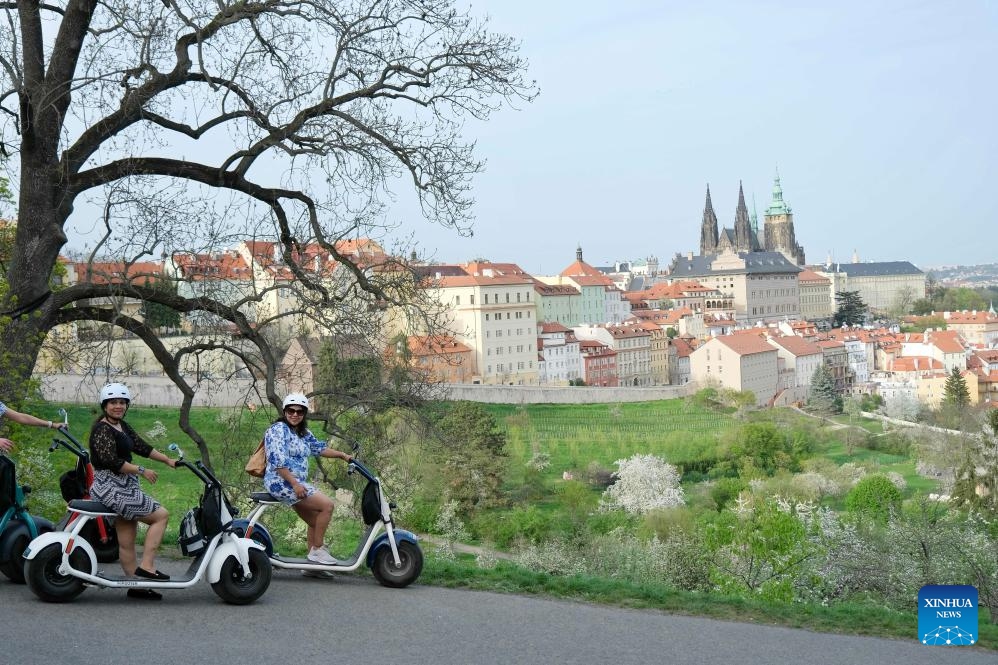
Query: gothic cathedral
point(778, 230)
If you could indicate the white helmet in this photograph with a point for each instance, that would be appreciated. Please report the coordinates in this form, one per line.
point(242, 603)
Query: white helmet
point(295, 399)
point(114, 391)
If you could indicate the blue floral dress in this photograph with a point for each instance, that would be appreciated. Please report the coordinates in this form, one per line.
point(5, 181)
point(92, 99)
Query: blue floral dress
point(290, 451)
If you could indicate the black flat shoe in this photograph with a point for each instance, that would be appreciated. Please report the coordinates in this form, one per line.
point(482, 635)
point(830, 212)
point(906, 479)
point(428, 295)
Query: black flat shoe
point(145, 594)
point(142, 572)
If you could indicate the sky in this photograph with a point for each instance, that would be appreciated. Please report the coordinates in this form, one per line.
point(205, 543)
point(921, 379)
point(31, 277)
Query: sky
point(879, 116)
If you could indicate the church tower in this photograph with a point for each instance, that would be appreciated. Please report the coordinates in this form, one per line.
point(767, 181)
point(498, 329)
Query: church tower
point(779, 227)
point(708, 229)
point(743, 227)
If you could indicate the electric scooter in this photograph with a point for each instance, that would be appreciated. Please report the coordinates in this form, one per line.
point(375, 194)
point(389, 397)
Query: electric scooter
point(75, 484)
point(60, 565)
point(393, 555)
point(17, 526)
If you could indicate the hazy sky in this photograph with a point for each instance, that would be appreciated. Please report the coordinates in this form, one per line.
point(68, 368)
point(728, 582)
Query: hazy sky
point(881, 117)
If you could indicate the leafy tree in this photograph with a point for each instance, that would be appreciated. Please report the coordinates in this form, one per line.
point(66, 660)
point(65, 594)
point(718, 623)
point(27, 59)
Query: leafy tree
point(823, 397)
point(874, 496)
point(156, 314)
point(955, 392)
point(470, 450)
point(195, 123)
point(766, 448)
point(644, 483)
point(850, 309)
point(759, 550)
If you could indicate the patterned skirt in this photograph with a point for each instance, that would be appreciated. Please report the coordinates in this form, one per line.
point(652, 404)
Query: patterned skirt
point(122, 494)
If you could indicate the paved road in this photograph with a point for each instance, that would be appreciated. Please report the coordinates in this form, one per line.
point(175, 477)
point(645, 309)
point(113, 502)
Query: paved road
point(352, 618)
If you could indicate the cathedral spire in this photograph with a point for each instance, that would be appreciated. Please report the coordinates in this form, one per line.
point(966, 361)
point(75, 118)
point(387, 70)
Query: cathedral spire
point(743, 231)
point(778, 206)
point(708, 229)
point(578, 252)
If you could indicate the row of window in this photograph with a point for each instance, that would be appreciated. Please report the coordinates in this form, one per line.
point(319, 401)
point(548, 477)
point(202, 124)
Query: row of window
point(509, 333)
point(508, 367)
point(509, 349)
point(498, 316)
point(520, 297)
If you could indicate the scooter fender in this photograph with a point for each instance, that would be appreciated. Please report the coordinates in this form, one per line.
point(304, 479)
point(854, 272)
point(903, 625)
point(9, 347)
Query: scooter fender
point(61, 538)
point(259, 534)
point(382, 541)
point(237, 547)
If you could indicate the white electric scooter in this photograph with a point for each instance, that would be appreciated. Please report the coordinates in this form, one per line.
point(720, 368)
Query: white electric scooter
point(393, 555)
point(60, 565)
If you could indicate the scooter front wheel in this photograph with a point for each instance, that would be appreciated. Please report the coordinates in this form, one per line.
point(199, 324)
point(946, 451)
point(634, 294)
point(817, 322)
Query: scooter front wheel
point(235, 588)
point(390, 575)
point(44, 580)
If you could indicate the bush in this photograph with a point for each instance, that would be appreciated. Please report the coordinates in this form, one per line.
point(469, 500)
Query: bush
point(875, 496)
point(527, 524)
point(644, 483)
point(725, 490)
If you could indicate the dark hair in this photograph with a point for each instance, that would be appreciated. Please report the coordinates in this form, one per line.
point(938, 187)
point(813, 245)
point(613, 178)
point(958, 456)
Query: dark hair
point(300, 429)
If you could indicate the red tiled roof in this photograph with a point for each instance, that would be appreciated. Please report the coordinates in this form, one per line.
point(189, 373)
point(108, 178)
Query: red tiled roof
point(798, 346)
point(114, 272)
point(745, 345)
point(913, 364)
point(435, 345)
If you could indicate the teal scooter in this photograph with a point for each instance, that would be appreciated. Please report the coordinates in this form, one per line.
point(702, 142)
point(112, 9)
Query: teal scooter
point(17, 526)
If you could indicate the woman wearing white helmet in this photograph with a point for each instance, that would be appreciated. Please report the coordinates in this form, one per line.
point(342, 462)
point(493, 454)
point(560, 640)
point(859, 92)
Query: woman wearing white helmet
point(113, 442)
point(289, 444)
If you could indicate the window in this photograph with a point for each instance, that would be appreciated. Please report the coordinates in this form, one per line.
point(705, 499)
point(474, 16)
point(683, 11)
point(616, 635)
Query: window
point(472, 298)
point(507, 297)
point(486, 317)
point(457, 300)
point(518, 300)
point(486, 299)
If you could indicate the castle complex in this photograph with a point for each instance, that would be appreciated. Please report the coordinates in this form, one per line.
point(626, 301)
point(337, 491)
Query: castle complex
point(778, 229)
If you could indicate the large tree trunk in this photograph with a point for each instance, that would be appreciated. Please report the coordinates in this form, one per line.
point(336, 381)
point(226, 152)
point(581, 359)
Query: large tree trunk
point(28, 306)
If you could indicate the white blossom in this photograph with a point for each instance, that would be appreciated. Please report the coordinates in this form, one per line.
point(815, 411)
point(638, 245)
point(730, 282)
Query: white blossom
point(644, 483)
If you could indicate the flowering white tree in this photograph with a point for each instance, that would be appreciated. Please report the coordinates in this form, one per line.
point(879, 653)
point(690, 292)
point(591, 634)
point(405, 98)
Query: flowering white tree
point(644, 483)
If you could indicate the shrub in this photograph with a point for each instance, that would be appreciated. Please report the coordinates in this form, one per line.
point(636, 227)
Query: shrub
point(724, 490)
point(875, 496)
point(644, 483)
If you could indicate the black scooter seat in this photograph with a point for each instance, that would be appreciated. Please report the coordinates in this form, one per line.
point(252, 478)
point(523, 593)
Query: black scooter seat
point(263, 497)
point(89, 506)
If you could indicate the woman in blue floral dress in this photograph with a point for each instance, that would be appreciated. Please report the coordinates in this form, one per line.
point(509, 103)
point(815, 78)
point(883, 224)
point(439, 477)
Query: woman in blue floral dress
point(289, 444)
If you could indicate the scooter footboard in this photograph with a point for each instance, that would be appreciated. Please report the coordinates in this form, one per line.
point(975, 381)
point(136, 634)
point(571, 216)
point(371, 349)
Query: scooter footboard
point(62, 539)
point(238, 547)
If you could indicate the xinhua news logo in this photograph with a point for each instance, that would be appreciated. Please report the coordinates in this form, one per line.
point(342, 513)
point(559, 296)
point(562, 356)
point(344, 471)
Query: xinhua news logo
point(947, 615)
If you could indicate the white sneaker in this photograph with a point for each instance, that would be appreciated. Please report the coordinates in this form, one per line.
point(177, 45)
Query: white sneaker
point(320, 555)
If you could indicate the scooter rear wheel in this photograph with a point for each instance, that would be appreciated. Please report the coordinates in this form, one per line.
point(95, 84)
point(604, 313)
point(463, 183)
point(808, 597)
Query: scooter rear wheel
point(14, 568)
point(44, 580)
point(390, 575)
point(236, 589)
point(107, 552)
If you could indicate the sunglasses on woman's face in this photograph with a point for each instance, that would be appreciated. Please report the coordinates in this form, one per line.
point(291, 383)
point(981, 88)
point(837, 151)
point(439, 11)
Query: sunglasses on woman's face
point(295, 412)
